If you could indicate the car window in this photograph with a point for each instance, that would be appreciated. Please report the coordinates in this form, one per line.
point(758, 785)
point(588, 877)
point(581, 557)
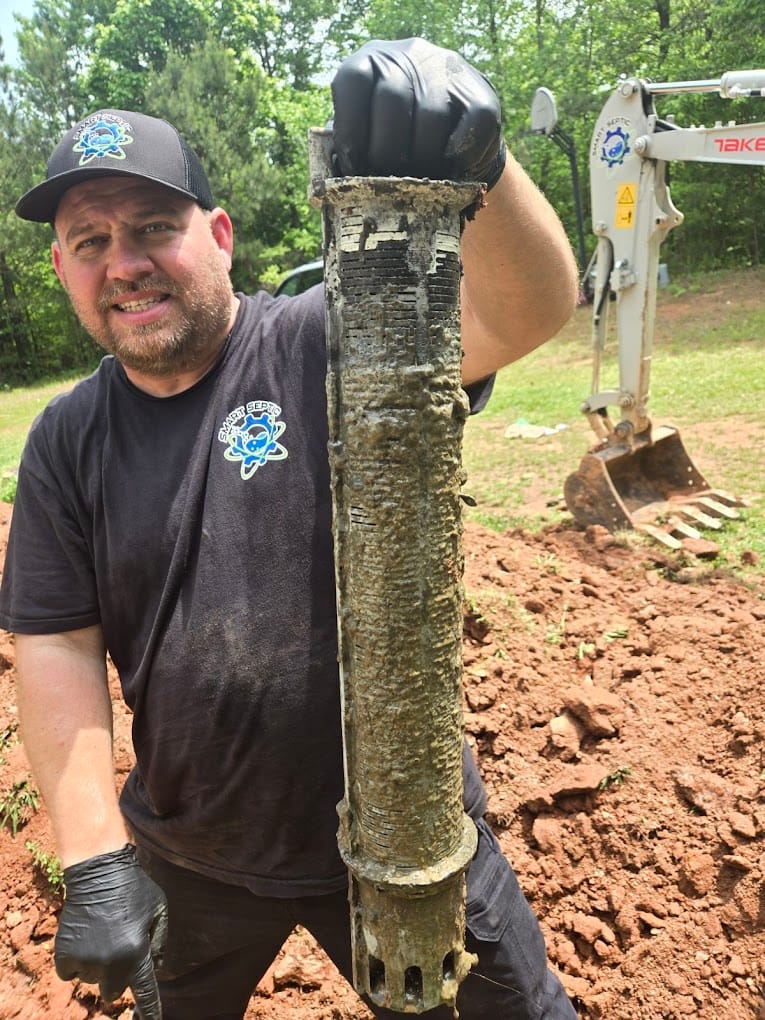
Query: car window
point(301, 279)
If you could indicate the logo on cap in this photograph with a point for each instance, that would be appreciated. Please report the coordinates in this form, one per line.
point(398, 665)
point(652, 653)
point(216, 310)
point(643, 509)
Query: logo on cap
point(101, 136)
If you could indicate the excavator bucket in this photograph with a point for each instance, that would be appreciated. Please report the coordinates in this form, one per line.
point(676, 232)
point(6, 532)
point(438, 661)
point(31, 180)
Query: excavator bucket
point(637, 476)
point(652, 486)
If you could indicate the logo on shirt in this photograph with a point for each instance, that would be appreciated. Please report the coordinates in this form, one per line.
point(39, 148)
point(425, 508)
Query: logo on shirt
point(251, 433)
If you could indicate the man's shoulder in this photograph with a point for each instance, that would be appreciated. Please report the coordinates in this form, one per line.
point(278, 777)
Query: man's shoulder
point(84, 390)
point(305, 307)
point(68, 412)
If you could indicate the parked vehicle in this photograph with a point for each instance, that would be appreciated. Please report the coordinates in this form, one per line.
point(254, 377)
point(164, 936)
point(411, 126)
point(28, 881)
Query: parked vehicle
point(301, 278)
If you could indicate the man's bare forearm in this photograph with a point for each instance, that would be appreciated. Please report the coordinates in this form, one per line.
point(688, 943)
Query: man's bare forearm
point(66, 725)
point(520, 275)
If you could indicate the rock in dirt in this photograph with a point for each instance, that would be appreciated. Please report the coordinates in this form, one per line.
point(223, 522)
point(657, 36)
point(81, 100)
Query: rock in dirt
point(600, 712)
point(566, 733)
point(703, 790)
point(575, 782)
point(701, 548)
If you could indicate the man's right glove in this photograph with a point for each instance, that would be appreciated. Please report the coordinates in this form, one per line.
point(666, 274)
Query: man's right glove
point(113, 928)
point(407, 108)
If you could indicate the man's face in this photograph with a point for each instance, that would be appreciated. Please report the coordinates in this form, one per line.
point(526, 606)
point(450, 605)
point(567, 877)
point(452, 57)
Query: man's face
point(146, 270)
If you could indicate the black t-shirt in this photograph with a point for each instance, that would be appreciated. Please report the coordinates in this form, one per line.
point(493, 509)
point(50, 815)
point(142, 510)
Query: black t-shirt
point(196, 529)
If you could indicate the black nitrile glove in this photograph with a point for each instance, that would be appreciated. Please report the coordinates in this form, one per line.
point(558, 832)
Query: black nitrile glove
point(112, 928)
point(411, 109)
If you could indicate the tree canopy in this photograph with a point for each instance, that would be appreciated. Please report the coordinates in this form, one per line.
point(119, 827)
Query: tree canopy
point(243, 80)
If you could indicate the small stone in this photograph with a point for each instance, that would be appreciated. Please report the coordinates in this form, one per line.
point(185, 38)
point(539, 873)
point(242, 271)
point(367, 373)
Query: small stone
point(599, 711)
point(677, 983)
point(701, 548)
point(740, 725)
point(738, 861)
point(600, 537)
point(651, 920)
point(566, 734)
point(548, 833)
point(743, 825)
point(737, 967)
point(589, 928)
point(698, 873)
point(704, 790)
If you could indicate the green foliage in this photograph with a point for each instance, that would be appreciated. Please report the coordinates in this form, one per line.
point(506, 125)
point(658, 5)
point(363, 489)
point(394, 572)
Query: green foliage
point(7, 488)
point(618, 634)
point(48, 866)
point(708, 379)
point(244, 79)
point(616, 778)
point(136, 39)
point(18, 409)
point(556, 632)
point(18, 805)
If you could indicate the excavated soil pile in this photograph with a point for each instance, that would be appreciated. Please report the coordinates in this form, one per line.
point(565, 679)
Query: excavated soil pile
point(614, 695)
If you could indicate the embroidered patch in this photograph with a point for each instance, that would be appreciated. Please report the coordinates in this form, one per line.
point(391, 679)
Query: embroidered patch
point(251, 433)
point(102, 136)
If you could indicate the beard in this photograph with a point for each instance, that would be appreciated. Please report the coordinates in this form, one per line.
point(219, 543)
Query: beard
point(183, 341)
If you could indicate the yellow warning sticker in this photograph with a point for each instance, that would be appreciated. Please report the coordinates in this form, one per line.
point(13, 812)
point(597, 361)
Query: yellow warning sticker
point(626, 199)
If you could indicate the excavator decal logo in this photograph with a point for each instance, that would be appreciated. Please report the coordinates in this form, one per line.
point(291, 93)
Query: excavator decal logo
point(740, 144)
point(251, 437)
point(615, 147)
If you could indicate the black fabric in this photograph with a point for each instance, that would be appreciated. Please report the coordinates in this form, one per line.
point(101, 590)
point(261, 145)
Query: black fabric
point(221, 941)
point(210, 569)
point(119, 143)
point(196, 530)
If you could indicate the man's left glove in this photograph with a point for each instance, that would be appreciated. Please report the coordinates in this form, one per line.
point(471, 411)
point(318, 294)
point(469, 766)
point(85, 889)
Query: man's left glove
point(113, 928)
point(411, 109)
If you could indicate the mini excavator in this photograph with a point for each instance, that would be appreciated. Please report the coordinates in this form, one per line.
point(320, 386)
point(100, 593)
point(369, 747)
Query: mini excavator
point(637, 476)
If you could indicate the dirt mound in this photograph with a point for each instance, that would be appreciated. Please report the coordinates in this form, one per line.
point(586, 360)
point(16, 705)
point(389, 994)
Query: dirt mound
point(614, 695)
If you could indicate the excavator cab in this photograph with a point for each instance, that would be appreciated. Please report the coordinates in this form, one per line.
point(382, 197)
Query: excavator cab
point(637, 476)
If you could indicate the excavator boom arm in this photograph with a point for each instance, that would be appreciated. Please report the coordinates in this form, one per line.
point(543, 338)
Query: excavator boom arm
point(635, 475)
point(632, 214)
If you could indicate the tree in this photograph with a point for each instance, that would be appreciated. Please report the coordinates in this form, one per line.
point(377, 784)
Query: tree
point(136, 40)
point(244, 79)
point(55, 46)
point(250, 133)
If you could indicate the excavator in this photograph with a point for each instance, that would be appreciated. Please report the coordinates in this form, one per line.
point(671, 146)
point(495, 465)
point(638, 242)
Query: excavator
point(638, 476)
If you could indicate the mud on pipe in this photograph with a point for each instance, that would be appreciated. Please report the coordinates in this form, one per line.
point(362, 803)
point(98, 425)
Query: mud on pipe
point(396, 415)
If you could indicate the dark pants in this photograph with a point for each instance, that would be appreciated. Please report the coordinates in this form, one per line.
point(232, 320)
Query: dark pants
point(222, 939)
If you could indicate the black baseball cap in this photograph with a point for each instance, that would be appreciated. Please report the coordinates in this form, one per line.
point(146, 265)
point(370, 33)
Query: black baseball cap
point(117, 143)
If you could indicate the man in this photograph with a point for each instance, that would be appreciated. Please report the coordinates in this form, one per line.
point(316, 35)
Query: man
point(136, 531)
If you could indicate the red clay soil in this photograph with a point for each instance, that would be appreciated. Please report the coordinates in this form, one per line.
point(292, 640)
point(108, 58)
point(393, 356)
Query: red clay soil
point(614, 695)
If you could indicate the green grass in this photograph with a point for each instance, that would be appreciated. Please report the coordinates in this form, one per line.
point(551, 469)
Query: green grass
point(18, 409)
point(708, 379)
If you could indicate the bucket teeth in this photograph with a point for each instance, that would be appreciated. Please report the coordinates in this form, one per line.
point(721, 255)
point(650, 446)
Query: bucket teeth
point(683, 528)
point(713, 503)
point(653, 487)
point(695, 514)
point(659, 535)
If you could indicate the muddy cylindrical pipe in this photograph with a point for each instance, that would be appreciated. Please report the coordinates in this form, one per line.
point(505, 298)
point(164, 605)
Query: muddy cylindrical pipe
point(396, 415)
